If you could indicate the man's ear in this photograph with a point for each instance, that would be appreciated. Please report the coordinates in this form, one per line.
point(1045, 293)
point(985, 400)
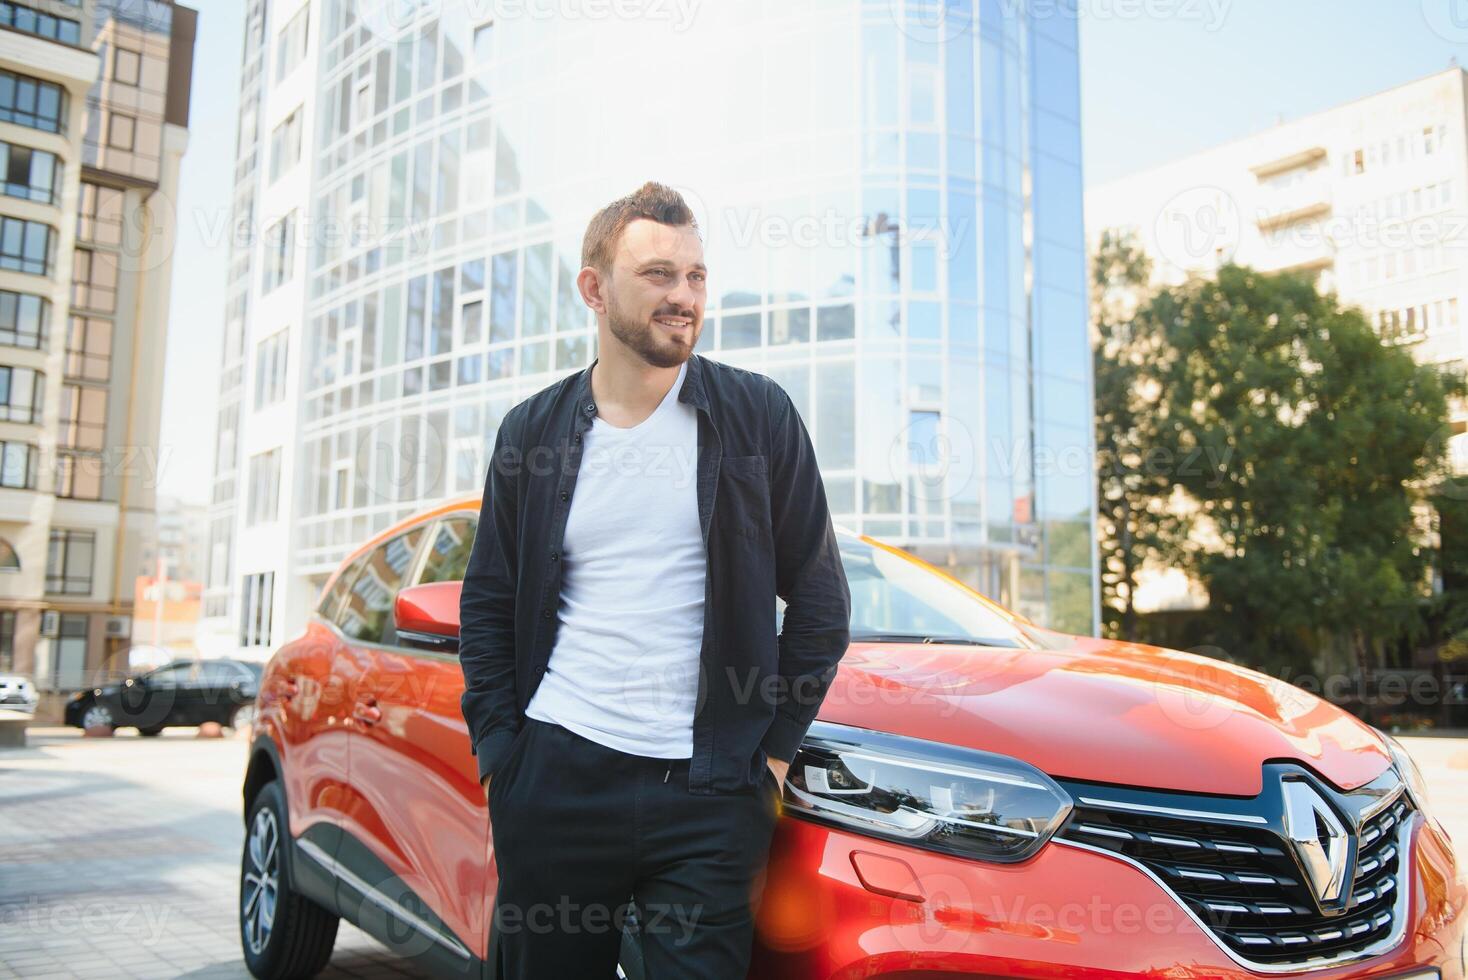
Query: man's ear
point(591, 284)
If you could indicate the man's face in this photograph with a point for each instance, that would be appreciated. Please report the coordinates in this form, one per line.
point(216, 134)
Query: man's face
point(656, 290)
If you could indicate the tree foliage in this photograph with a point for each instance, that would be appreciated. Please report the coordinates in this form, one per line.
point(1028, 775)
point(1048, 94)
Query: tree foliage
point(1134, 523)
point(1298, 444)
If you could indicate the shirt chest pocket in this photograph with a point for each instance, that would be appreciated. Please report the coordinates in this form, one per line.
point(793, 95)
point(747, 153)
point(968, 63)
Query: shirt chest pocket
point(743, 503)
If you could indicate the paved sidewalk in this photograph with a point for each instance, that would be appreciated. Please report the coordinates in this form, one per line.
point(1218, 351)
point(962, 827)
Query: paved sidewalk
point(120, 858)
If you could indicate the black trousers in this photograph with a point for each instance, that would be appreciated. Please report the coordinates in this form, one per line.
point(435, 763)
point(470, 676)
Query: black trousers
point(582, 831)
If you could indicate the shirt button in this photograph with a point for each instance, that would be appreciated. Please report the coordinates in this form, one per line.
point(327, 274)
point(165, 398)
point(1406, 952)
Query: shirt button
point(564, 495)
point(591, 407)
point(554, 555)
point(545, 614)
point(578, 437)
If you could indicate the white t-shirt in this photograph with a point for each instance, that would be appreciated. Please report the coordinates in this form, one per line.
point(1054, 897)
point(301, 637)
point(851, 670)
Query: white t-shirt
point(624, 668)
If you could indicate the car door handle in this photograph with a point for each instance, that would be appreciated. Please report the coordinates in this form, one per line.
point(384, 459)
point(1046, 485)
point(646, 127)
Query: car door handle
point(367, 712)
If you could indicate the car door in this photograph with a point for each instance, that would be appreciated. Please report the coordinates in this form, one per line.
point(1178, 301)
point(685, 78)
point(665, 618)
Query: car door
point(310, 678)
point(390, 826)
point(157, 698)
point(222, 686)
point(427, 846)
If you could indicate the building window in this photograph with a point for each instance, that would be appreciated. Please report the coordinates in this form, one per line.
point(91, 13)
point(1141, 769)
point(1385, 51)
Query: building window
point(280, 249)
point(99, 216)
point(27, 246)
point(120, 131)
point(285, 145)
point(270, 365)
point(29, 174)
point(22, 390)
point(125, 65)
point(69, 666)
point(9, 558)
point(89, 348)
point(18, 463)
point(256, 596)
point(7, 641)
point(40, 23)
point(31, 102)
point(83, 422)
point(69, 562)
point(264, 488)
point(94, 280)
point(78, 476)
point(291, 43)
point(25, 320)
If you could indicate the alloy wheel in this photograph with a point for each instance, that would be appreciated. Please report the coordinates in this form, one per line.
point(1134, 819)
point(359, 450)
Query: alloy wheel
point(262, 880)
point(97, 716)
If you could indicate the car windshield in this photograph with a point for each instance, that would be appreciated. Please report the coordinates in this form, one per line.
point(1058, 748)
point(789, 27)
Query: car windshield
point(896, 600)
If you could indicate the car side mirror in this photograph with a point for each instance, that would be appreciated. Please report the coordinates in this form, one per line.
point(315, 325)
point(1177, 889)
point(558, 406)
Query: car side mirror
point(427, 616)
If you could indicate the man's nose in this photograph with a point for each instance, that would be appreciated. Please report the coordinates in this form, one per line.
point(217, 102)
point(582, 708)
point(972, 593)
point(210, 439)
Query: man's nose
point(681, 295)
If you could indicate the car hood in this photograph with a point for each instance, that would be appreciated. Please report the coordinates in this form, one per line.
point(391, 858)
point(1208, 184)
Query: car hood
point(1105, 711)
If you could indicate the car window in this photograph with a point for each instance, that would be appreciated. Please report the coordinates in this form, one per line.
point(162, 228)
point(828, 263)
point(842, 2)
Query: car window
point(367, 614)
point(218, 673)
point(171, 675)
point(331, 603)
point(448, 553)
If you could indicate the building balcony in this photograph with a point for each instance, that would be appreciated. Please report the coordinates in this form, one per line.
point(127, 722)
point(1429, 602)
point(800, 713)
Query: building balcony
point(1311, 156)
point(1297, 202)
point(40, 57)
point(1292, 188)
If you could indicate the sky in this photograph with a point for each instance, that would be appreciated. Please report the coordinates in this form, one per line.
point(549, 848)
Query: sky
point(1160, 79)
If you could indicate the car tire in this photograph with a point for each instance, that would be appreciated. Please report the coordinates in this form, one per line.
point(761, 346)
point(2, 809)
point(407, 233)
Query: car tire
point(150, 732)
point(99, 716)
point(283, 934)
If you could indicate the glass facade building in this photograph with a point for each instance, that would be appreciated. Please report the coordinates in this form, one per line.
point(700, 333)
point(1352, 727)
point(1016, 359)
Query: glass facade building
point(890, 198)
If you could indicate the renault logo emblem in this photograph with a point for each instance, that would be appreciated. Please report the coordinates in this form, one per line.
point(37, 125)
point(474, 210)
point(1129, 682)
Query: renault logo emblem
point(1319, 841)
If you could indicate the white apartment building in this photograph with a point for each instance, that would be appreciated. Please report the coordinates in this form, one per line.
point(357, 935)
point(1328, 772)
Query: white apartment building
point(1370, 197)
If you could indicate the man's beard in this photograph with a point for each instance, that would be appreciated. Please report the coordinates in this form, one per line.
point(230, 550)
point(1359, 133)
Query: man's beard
point(643, 338)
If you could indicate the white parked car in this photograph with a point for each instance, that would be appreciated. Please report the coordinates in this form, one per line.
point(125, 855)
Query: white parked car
point(18, 693)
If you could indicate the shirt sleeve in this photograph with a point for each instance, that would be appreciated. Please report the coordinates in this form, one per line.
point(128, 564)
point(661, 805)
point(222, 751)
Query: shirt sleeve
point(810, 578)
point(487, 610)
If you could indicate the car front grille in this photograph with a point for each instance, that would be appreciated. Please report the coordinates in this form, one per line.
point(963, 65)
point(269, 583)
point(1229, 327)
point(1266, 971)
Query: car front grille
point(1239, 877)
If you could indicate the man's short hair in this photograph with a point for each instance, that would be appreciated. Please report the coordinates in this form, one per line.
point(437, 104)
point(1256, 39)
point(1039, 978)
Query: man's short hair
point(652, 200)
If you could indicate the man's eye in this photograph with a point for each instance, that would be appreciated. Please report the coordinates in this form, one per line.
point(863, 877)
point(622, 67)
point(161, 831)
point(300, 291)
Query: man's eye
point(659, 272)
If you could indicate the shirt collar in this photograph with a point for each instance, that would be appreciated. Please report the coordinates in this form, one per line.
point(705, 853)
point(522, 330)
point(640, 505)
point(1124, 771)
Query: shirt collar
point(692, 392)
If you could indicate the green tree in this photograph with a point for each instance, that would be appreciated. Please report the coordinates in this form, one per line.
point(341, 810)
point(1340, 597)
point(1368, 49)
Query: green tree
point(1134, 523)
point(1300, 442)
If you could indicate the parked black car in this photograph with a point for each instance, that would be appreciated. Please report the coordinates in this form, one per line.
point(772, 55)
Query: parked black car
point(185, 692)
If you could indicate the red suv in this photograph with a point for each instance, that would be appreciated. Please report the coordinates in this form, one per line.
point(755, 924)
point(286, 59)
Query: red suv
point(979, 796)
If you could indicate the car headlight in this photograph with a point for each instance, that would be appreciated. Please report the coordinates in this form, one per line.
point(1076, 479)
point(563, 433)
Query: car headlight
point(927, 794)
point(1407, 769)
